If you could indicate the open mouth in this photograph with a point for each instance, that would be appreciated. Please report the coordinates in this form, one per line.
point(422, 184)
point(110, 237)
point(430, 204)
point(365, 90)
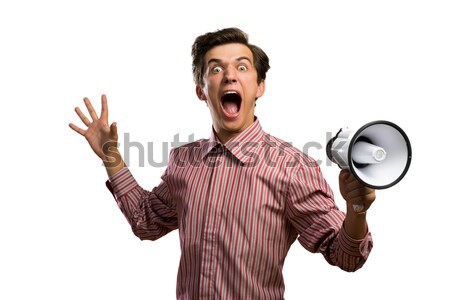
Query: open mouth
point(231, 103)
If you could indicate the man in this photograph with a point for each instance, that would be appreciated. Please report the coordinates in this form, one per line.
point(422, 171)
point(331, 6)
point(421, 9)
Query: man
point(241, 197)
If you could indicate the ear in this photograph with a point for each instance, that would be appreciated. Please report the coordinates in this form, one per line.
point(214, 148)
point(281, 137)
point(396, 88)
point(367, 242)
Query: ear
point(200, 94)
point(261, 89)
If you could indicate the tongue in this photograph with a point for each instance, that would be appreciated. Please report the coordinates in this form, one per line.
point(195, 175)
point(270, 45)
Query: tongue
point(230, 107)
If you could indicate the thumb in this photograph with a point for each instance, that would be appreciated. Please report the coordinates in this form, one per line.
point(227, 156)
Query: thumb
point(344, 175)
point(113, 132)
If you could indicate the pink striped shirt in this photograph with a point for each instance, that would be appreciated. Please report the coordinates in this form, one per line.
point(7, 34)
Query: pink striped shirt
point(238, 208)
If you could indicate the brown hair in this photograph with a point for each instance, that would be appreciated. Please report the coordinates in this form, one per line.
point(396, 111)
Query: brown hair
point(210, 40)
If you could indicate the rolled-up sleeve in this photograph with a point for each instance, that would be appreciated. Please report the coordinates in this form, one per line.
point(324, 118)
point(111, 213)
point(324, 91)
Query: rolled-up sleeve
point(151, 214)
point(313, 213)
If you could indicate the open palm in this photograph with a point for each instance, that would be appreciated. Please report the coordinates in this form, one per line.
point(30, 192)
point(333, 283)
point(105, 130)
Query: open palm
point(100, 135)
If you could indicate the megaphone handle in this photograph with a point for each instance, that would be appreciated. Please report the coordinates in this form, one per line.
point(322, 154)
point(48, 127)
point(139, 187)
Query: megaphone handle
point(358, 207)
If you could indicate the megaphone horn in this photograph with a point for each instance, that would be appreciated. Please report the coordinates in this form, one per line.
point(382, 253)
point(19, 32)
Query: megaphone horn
point(378, 154)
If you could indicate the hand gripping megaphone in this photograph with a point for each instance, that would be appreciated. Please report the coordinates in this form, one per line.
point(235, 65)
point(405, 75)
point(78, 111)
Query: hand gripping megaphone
point(378, 154)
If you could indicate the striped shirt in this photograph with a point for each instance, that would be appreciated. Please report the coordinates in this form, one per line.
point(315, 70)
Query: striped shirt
point(239, 206)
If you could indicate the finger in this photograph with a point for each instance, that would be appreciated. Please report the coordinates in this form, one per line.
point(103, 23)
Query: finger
point(363, 195)
point(83, 118)
point(353, 185)
point(77, 129)
point(91, 110)
point(113, 129)
point(344, 174)
point(104, 113)
point(351, 178)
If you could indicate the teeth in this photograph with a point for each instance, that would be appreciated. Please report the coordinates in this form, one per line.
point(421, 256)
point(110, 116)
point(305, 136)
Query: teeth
point(230, 92)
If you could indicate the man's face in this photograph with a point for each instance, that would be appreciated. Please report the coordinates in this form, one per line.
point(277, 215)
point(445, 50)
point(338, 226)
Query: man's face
point(230, 88)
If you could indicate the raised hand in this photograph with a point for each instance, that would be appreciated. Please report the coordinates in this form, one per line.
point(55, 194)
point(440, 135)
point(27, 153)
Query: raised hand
point(101, 136)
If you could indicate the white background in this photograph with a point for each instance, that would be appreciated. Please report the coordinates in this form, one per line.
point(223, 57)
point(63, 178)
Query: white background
point(334, 64)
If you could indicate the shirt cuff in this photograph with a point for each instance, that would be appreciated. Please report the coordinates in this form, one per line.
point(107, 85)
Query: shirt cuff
point(121, 183)
point(354, 247)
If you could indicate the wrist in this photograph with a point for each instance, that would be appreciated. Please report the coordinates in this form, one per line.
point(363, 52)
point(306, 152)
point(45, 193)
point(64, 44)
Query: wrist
point(355, 224)
point(112, 158)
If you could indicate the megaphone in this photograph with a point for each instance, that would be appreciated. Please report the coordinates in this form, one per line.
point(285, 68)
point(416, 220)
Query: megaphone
point(378, 154)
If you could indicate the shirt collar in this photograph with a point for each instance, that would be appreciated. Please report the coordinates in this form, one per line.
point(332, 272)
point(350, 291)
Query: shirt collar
point(242, 146)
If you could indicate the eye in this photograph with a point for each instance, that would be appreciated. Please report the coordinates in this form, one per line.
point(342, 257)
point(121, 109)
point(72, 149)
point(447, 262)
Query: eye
point(216, 69)
point(242, 68)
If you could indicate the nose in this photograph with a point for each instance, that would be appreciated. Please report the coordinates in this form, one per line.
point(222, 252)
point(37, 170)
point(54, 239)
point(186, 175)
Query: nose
point(230, 75)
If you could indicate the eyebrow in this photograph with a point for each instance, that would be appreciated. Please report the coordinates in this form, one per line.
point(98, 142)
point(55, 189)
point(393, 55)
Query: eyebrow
point(217, 60)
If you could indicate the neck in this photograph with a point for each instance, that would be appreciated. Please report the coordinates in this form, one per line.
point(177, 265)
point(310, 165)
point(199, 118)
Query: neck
point(225, 135)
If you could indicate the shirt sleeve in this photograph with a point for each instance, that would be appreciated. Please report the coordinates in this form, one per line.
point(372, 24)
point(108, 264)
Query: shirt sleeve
point(312, 211)
point(150, 213)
